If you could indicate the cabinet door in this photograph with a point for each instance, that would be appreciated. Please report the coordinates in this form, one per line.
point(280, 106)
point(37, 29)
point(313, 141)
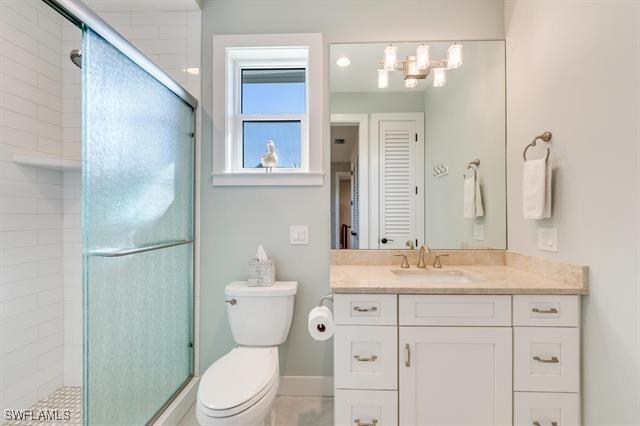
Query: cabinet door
point(455, 376)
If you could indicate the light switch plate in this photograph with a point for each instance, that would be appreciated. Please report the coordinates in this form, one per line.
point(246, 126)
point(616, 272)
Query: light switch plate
point(299, 234)
point(548, 239)
point(478, 232)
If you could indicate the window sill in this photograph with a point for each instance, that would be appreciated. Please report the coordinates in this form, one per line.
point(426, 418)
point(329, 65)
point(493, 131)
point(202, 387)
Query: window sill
point(267, 179)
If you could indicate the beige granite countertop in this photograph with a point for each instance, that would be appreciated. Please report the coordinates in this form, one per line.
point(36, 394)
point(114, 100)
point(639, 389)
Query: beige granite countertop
point(517, 278)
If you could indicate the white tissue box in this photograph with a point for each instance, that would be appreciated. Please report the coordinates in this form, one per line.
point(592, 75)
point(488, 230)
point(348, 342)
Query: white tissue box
point(261, 273)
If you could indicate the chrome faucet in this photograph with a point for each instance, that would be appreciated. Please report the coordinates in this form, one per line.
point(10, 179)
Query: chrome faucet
point(422, 262)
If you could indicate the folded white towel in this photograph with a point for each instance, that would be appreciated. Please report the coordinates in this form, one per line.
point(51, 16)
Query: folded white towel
point(472, 198)
point(536, 189)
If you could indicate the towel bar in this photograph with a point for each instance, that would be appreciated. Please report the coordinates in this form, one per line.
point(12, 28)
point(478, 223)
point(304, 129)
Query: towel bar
point(546, 137)
point(475, 163)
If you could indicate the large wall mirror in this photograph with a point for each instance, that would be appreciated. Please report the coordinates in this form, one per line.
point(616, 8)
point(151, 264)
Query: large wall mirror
point(418, 145)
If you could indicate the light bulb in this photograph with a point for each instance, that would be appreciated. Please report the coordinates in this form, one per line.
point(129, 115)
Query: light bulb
point(390, 57)
point(383, 79)
point(412, 66)
point(422, 56)
point(454, 56)
point(410, 83)
point(343, 62)
point(439, 77)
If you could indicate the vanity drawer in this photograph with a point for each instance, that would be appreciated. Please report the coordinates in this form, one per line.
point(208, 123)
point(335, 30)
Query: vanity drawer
point(365, 407)
point(463, 310)
point(546, 359)
point(366, 357)
point(546, 409)
point(365, 309)
point(546, 311)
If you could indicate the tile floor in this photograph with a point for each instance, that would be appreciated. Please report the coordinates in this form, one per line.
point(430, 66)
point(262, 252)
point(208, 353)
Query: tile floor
point(290, 411)
point(62, 407)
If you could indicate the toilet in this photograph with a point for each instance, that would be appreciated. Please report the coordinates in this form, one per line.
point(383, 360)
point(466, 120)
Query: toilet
point(240, 387)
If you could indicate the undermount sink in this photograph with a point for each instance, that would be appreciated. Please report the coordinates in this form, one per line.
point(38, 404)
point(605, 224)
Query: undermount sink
point(436, 276)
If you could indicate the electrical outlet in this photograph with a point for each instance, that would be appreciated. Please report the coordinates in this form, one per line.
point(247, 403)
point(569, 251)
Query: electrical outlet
point(299, 234)
point(478, 232)
point(548, 239)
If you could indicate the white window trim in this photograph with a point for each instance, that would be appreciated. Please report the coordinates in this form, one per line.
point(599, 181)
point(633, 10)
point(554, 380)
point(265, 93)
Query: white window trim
point(227, 161)
point(362, 120)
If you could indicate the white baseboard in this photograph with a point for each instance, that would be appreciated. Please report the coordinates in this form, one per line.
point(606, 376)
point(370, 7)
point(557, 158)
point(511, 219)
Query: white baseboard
point(306, 386)
point(179, 407)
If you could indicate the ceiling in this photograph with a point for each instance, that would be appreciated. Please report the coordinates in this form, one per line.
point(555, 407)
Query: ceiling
point(362, 75)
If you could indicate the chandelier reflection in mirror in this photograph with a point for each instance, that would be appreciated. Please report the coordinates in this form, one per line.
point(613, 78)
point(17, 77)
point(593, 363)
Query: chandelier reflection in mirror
point(419, 66)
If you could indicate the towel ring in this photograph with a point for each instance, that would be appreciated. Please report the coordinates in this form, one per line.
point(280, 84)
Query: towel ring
point(475, 163)
point(546, 137)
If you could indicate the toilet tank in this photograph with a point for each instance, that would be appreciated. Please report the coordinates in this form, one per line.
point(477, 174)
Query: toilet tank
point(260, 316)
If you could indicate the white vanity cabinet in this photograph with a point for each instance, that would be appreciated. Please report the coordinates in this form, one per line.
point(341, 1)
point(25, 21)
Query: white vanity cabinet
point(457, 359)
point(457, 363)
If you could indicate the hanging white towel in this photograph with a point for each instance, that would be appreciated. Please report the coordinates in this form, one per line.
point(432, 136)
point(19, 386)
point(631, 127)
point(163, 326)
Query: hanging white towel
point(472, 198)
point(469, 197)
point(479, 207)
point(536, 189)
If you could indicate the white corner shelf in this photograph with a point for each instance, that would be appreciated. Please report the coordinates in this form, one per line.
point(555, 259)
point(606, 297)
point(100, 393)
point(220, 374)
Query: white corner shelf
point(48, 162)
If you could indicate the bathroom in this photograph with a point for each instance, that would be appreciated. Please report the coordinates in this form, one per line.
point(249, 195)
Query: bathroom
point(569, 68)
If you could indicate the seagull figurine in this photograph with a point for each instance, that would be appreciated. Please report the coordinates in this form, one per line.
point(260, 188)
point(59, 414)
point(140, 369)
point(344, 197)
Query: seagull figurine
point(269, 159)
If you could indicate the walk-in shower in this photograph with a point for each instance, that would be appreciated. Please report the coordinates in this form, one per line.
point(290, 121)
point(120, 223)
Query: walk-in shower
point(100, 305)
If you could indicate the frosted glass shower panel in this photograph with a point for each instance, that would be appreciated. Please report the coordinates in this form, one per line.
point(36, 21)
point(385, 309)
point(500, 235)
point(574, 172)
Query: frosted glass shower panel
point(138, 171)
point(139, 158)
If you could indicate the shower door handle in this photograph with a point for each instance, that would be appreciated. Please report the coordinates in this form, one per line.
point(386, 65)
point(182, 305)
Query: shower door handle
point(127, 252)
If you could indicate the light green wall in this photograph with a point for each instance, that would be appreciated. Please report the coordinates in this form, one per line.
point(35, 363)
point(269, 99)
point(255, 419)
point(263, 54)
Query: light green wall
point(465, 120)
point(234, 220)
point(596, 155)
point(363, 102)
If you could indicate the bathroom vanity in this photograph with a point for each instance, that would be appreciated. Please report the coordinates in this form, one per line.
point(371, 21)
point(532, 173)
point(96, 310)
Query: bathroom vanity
point(492, 338)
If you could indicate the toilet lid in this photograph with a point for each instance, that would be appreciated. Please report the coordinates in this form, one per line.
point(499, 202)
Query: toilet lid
point(240, 377)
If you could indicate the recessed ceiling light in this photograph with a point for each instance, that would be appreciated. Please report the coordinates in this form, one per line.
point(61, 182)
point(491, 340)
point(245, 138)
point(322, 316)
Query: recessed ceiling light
point(343, 62)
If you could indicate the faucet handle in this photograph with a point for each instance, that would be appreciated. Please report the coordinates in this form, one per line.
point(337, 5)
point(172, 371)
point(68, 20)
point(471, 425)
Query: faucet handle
point(405, 261)
point(436, 263)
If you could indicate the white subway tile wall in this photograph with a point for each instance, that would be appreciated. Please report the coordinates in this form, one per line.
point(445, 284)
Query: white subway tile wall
point(40, 210)
point(31, 205)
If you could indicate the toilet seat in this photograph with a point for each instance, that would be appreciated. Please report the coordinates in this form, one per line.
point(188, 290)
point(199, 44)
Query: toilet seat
point(237, 381)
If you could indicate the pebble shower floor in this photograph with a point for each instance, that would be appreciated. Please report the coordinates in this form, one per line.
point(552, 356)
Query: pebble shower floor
point(65, 398)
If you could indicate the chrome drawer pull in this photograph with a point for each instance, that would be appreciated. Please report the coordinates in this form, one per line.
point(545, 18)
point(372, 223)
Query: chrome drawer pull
point(365, 359)
point(544, 311)
point(537, 423)
point(552, 360)
point(359, 309)
point(374, 422)
point(407, 359)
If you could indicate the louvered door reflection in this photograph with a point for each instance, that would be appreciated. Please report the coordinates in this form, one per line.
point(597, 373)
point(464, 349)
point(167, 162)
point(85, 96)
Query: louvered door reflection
point(398, 218)
point(355, 201)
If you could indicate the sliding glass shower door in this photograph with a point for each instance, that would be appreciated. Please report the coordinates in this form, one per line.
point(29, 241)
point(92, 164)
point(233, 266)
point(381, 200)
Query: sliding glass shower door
point(138, 201)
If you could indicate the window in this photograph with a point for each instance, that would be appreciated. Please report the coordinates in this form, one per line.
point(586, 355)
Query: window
point(268, 87)
point(272, 108)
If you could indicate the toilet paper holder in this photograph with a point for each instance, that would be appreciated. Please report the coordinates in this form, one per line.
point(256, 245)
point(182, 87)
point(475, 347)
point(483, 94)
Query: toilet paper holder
point(328, 297)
